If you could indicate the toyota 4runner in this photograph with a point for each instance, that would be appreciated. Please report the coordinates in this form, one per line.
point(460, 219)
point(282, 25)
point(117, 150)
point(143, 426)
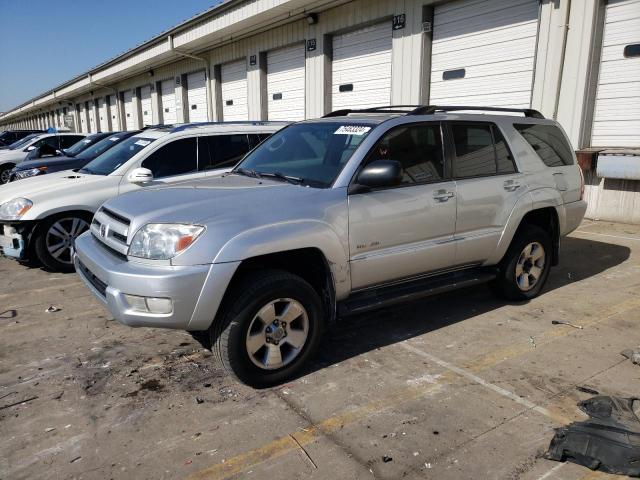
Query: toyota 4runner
point(339, 215)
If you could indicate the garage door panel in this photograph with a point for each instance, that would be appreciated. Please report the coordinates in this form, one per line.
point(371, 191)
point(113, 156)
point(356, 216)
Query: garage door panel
point(234, 91)
point(494, 42)
point(113, 112)
point(197, 96)
point(168, 101)
point(490, 20)
point(145, 106)
point(286, 83)
point(128, 110)
point(615, 120)
point(363, 60)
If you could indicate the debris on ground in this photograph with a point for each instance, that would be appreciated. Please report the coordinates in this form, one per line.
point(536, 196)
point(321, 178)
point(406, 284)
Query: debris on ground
point(560, 322)
point(588, 390)
point(18, 403)
point(52, 309)
point(49, 429)
point(532, 340)
point(609, 441)
point(74, 460)
point(632, 354)
point(387, 459)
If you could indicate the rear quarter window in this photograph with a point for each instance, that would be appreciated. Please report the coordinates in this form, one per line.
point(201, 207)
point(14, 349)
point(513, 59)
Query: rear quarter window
point(549, 143)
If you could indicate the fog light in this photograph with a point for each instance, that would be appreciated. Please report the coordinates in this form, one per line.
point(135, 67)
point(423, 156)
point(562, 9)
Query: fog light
point(160, 306)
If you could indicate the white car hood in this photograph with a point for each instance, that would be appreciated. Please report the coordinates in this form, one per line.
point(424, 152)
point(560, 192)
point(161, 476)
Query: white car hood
point(66, 188)
point(14, 156)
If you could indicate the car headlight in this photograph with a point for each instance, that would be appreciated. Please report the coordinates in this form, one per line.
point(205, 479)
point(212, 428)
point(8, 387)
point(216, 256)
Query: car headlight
point(15, 209)
point(32, 172)
point(163, 241)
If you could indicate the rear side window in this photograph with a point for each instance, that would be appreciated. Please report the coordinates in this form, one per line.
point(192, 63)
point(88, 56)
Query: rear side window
point(549, 143)
point(224, 151)
point(480, 150)
point(176, 158)
point(67, 140)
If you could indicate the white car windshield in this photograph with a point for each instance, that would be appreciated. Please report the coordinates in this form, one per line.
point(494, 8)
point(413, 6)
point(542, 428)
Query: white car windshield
point(23, 142)
point(115, 157)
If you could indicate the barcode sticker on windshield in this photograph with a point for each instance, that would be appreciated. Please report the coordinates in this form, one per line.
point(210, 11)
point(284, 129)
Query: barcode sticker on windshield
point(86, 141)
point(114, 139)
point(143, 143)
point(352, 130)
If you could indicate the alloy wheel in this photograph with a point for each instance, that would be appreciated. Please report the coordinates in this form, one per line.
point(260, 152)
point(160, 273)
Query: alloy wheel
point(61, 237)
point(530, 266)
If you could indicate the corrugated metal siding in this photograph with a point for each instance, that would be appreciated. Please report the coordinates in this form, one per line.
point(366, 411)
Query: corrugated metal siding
point(493, 43)
point(617, 108)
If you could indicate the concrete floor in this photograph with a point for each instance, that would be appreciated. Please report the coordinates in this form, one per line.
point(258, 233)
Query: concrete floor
point(454, 387)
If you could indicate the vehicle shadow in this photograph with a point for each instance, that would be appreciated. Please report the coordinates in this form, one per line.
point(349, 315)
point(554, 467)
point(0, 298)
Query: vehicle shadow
point(352, 336)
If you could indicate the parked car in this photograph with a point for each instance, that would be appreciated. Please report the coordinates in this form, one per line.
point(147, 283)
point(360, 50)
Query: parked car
point(41, 216)
point(48, 151)
point(70, 161)
point(355, 211)
point(18, 152)
point(11, 136)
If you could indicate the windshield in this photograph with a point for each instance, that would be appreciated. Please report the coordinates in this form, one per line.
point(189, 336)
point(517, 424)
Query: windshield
point(22, 142)
point(99, 147)
point(117, 156)
point(309, 153)
point(78, 147)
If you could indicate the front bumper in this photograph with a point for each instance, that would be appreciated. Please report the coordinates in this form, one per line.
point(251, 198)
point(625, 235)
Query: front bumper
point(195, 291)
point(14, 239)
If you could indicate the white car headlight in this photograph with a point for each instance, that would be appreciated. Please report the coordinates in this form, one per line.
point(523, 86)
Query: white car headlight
point(163, 241)
point(15, 209)
point(32, 172)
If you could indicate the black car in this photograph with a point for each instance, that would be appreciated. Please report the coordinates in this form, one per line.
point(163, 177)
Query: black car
point(52, 164)
point(79, 145)
point(11, 136)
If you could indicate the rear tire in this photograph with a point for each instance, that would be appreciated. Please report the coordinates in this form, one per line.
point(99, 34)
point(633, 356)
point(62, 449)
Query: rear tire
point(268, 328)
point(55, 237)
point(525, 267)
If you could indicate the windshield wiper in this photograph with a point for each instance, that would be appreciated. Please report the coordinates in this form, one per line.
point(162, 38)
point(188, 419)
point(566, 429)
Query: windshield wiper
point(286, 178)
point(86, 170)
point(247, 173)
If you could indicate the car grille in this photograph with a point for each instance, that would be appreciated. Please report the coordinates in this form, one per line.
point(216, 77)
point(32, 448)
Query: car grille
point(98, 284)
point(112, 230)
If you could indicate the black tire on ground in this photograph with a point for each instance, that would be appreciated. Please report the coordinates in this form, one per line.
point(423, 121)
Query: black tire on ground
point(5, 171)
point(240, 312)
point(44, 240)
point(522, 272)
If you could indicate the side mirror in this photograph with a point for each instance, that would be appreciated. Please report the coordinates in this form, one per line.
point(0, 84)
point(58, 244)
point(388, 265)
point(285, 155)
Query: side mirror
point(140, 175)
point(30, 149)
point(381, 174)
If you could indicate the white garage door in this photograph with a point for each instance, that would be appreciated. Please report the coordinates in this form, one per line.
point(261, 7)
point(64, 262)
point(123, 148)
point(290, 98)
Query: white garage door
point(168, 100)
point(234, 91)
point(362, 68)
point(484, 53)
point(145, 105)
point(617, 112)
point(128, 110)
point(197, 97)
point(84, 128)
point(113, 112)
point(103, 115)
point(285, 83)
point(92, 116)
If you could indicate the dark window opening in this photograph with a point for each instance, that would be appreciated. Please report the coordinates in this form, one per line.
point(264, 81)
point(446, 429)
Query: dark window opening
point(177, 158)
point(348, 87)
point(454, 74)
point(194, 107)
point(475, 154)
point(632, 51)
point(277, 96)
point(229, 103)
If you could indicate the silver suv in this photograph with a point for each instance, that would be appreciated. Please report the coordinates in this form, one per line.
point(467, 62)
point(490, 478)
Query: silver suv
point(334, 216)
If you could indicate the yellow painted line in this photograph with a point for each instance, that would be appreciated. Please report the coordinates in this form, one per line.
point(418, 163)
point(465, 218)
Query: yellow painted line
point(500, 355)
point(286, 444)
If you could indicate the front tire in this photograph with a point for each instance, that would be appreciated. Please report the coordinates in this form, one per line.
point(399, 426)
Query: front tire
point(525, 267)
point(55, 237)
point(268, 328)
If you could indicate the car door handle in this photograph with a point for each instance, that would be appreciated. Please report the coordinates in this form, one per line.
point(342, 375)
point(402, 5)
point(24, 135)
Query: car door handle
point(511, 185)
point(443, 195)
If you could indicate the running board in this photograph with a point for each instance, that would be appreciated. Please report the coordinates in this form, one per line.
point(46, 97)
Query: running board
point(412, 290)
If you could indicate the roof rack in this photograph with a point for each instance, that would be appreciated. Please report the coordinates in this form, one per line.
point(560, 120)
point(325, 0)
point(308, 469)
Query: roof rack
point(431, 109)
point(383, 109)
point(186, 126)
